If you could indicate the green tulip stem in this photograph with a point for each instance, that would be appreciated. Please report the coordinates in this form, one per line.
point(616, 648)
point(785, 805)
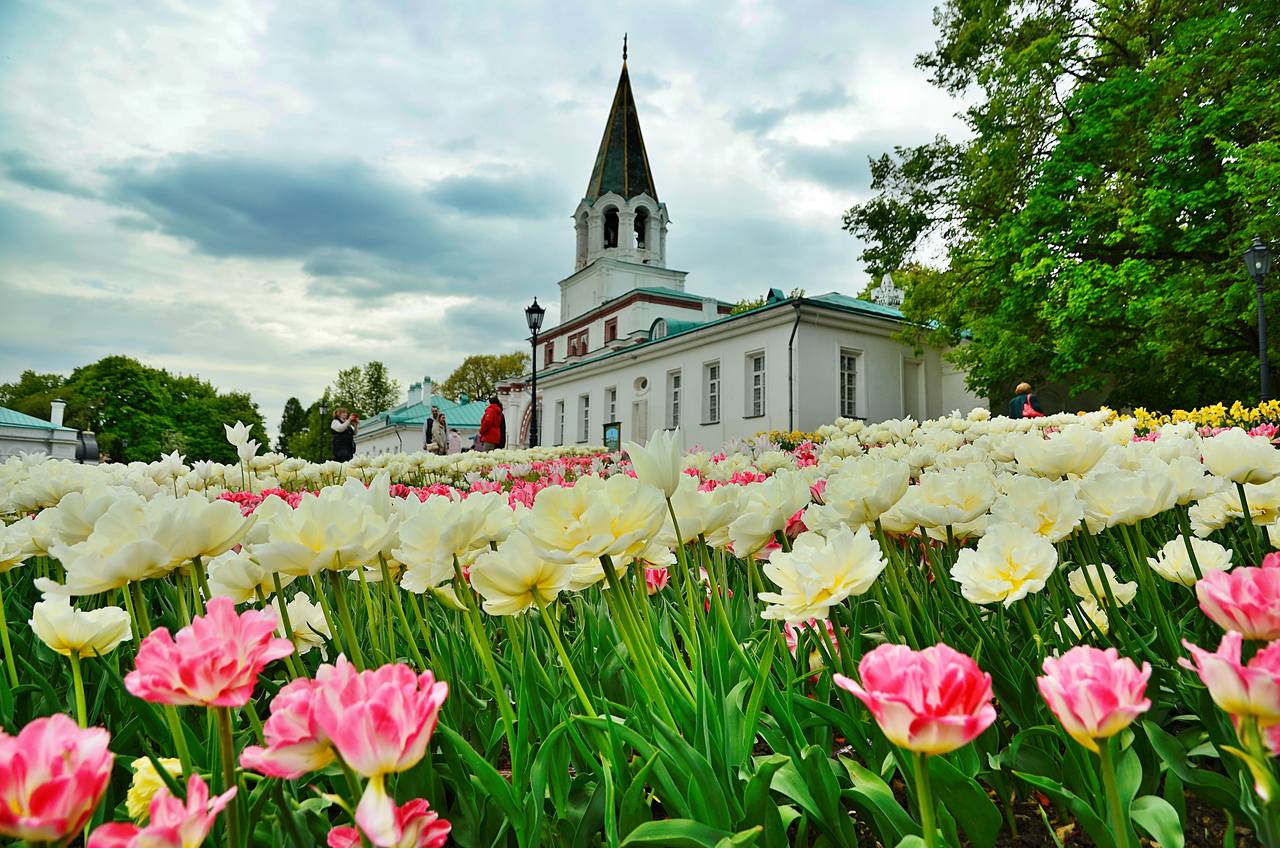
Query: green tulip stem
point(394, 591)
point(1115, 810)
point(323, 598)
point(480, 638)
point(227, 750)
point(344, 614)
point(924, 797)
point(183, 610)
point(686, 585)
point(82, 713)
point(202, 580)
point(9, 662)
point(554, 633)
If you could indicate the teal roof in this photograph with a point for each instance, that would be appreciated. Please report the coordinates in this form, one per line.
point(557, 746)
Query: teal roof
point(854, 304)
point(13, 418)
point(831, 300)
point(464, 415)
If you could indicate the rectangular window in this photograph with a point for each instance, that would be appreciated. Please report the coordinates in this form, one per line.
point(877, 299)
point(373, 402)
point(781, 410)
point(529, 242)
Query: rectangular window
point(584, 417)
point(549, 353)
point(578, 343)
point(755, 385)
point(673, 399)
point(610, 330)
point(611, 404)
point(711, 393)
point(848, 383)
point(559, 422)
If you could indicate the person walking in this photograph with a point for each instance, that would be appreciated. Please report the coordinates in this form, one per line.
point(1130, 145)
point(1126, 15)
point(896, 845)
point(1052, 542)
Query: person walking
point(1024, 403)
point(344, 426)
point(490, 435)
point(455, 441)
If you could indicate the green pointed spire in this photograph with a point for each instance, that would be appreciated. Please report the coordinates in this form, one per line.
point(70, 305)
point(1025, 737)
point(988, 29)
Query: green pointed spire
point(622, 165)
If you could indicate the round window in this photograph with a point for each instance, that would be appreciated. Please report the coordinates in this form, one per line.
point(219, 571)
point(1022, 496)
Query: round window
point(641, 385)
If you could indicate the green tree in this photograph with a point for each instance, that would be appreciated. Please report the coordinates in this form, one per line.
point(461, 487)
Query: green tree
point(479, 374)
point(139, 412)
point(380, 391)
point(293, 421)
point(749, 303)
point(31, 393)
point(1121, 156)
point(365, 390)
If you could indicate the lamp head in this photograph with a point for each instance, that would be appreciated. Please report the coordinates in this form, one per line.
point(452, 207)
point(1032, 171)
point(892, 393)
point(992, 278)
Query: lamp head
point(1257, 259)
point(533, 314)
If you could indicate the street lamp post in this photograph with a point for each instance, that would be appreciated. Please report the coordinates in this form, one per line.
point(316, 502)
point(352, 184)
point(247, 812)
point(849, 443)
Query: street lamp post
point(1257, 261)
point(533, 315)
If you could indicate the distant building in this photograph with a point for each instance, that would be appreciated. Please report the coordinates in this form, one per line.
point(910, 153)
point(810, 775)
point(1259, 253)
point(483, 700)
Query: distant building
point(400, 429)
point(634, 348)
point(21, 433)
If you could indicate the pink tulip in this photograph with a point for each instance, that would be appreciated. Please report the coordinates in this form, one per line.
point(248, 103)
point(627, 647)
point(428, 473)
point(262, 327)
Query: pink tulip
point(173, 823)
point(295, 743)
point(1246, 600)
point(1094, 693)
point(793, 632)
point(931, 701)
point(656, 579)
point(416, 826)
point(1241, 690)
point(214, 662)
point(380, 721)
point(52, 776)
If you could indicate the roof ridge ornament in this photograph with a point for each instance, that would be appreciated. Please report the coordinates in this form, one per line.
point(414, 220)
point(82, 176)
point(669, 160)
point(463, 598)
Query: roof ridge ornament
point(624, 47)
point(887, 294)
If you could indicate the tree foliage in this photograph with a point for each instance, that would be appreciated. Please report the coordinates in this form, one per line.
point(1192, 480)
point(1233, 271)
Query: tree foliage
point(1122, 156)
point(479, 374)
point(293, 421)
point(749, 303)
point(365, 390)
point(139, 412)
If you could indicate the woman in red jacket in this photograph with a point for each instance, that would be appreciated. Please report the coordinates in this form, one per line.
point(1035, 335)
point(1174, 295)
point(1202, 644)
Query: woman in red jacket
point(491, 426)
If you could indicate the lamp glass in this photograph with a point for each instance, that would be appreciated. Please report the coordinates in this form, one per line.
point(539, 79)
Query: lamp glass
point(533, 315)
point(1257, 259)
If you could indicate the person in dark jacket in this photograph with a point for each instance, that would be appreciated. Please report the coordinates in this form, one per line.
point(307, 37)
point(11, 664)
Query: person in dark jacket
point(1022, 396)
point(502, 421)
point(344, 427)
point(490, 435)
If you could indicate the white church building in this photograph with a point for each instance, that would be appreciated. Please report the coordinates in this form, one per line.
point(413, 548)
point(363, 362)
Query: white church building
point(636, 351)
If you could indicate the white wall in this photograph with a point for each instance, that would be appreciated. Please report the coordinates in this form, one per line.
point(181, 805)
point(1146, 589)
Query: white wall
point(821, 335)
point(606, 279)
point(59, 444)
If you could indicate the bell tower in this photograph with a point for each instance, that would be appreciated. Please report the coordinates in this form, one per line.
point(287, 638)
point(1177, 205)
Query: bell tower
point(620, 216)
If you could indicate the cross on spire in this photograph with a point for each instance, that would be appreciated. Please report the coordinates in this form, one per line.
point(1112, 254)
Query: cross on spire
point(624, 47)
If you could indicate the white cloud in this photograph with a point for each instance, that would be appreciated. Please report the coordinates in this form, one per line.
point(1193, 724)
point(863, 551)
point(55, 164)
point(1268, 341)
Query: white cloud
point(263, 193)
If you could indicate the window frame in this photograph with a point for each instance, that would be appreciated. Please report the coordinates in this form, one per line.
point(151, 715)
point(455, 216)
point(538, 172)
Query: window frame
point(559, 423)
point(845, 392)
point(611, 403)
point(754, 410)
point(610, 329)
point(675, 390)
point(712, 391)
point(584, 417)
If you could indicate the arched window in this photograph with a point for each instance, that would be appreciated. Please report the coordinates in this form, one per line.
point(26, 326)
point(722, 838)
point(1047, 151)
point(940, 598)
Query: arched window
point(611, 227)
point(642, 228)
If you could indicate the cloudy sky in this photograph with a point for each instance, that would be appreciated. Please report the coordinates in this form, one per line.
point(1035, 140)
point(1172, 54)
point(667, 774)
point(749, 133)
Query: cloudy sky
point(262, 193)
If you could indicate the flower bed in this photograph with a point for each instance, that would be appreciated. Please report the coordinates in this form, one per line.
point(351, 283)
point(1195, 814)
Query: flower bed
point(912, 632)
